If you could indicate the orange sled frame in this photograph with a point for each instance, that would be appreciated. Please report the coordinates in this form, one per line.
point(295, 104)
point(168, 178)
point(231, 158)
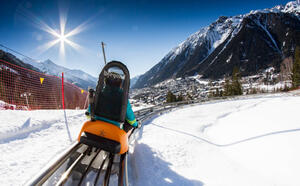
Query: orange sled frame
point(104, 135)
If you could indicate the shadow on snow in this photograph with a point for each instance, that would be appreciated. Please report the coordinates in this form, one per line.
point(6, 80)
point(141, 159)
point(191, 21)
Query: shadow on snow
point(146, 168)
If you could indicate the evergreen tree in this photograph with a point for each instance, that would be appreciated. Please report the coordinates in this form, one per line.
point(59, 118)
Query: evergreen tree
point(236, 85)
point(180, 98)
point(171, 97)
point(227, 88)
point(217, 93)
point(296, 68)
point(221, 93)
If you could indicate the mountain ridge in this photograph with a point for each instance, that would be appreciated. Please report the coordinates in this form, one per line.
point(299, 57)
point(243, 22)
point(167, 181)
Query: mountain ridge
point(75, 76)
point(200, 46)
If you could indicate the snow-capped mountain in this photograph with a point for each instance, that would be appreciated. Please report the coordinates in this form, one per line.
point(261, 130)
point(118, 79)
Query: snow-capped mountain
point(77, 77)
point(8, 57)
point(134, 80)
point(252, 42)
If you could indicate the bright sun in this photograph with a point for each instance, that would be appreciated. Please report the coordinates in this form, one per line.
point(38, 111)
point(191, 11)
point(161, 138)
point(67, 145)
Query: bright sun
point(61, 35)
point(62, 38)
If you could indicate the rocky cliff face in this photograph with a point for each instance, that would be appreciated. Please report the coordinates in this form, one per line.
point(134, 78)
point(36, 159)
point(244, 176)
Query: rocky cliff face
point(263, 40)
point(252, 42)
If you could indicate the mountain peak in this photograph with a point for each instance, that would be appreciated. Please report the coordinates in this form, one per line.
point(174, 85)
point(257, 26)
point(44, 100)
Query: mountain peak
point(78, 77)
point(212, 46)
point(292, 7)
point(48, 61)
point(221, 19)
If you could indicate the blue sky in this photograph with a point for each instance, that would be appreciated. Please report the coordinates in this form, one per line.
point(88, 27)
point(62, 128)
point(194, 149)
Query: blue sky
point(138, 33)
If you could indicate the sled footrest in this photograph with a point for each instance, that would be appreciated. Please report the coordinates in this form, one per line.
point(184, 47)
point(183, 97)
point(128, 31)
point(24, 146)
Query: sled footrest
point(100, 142)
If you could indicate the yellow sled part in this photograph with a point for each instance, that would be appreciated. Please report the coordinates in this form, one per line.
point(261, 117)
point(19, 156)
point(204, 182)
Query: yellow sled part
point(108, 131)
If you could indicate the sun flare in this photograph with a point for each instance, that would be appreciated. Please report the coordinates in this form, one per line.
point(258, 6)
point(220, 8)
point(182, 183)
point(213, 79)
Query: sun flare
point(60, 36)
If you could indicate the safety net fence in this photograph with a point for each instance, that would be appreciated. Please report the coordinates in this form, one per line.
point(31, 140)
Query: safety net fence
point(25, 89)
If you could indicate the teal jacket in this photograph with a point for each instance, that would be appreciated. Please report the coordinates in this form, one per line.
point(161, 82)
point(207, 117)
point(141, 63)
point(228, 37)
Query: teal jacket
point(130, 118)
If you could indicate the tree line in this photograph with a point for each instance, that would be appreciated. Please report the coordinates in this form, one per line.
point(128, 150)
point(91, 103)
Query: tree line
point(173, 98)
point(296, 69)
point(233, 86)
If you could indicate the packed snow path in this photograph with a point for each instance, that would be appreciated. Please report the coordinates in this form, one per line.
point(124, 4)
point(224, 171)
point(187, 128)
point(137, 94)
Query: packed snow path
point(243, 142)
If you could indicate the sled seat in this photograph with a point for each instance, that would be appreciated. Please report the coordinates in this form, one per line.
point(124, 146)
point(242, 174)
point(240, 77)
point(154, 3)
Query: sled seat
point(105, 136)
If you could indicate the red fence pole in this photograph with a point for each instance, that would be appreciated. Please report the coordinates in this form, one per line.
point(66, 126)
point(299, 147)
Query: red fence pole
point(62, 90)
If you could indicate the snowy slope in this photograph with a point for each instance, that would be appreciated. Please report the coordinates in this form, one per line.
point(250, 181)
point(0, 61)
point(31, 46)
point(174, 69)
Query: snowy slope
point(209, 37)
point(133, 80)
point(246, 142)
point(212, 36)
point(28, 140)
point(253, 141)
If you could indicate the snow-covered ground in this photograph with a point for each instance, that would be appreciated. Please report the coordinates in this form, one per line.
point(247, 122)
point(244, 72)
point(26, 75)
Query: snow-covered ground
point(29, 139)
point(253, 141)
point(244, 142)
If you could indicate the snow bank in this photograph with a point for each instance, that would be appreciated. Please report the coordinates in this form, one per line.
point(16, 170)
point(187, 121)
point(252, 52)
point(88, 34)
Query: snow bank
point(243, 142)
point(29, 139)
